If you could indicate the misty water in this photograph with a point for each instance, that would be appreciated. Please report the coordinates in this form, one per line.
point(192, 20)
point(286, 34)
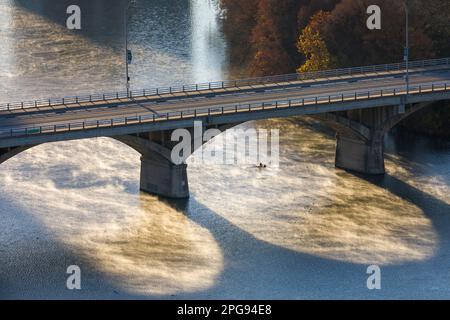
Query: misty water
point(303, 230)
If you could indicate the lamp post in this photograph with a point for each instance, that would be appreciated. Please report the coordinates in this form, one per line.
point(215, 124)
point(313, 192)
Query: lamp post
point(406, 53)
point(128, 55)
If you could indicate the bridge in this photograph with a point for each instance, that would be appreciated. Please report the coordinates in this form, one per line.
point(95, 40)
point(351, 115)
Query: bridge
point(361, 104)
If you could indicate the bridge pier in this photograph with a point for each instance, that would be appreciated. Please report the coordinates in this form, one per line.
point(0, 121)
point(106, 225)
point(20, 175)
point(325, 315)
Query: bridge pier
point(361, 156)
point(360, 135)
point(161, 177)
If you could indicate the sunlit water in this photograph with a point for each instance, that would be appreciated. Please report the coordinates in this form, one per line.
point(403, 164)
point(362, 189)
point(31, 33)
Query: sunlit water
point(304, 230)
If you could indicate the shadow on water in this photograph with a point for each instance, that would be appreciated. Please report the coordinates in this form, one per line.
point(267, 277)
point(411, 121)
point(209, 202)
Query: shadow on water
point(250, 263)
point(253, 268)
point(426, 202)
point(103, 20)
point(30, 269)
point(263, 270)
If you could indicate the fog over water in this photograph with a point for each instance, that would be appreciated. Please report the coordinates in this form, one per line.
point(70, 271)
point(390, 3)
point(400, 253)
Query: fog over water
point(303, 230)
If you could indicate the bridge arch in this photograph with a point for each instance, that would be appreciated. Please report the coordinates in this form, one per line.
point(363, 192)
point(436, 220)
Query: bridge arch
point(360, 135)
point(8, 153)
point(139, 145)
point(159, 175)
point(410, 110)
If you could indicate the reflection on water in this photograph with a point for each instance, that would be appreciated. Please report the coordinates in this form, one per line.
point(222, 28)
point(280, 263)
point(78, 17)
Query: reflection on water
point(83, 196)
point(207, 42)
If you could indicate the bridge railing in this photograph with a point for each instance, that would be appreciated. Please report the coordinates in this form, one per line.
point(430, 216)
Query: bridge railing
point(226, 84)
point(223, 110)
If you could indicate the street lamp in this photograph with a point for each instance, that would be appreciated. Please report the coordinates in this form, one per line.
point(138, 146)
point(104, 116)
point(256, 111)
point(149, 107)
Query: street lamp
point(406, 52)
point(128, 54)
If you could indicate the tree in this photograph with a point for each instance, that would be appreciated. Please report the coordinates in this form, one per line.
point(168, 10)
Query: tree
point(436, 16)
point(312, 45)
point(310, 8)
point(240, 20)
point(271, 38)
point(349, 40)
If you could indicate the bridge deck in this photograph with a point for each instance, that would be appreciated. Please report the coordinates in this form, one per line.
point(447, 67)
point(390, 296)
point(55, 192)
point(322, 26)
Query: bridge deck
point(44, 120)
point(12, 109)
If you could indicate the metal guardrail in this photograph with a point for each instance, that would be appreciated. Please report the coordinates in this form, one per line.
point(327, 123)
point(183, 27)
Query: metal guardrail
point(218, 111)
point(104, 97)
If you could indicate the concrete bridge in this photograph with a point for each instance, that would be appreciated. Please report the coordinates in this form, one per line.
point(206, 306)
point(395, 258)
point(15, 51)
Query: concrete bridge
point(361, 104)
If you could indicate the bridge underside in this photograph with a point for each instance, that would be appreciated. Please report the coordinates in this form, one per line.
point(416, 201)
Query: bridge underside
point(8, 153)
point(359, 133)
point(159, 175)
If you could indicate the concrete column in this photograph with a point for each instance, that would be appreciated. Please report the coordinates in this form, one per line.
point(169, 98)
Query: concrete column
point(161, 177)
point(361, 156)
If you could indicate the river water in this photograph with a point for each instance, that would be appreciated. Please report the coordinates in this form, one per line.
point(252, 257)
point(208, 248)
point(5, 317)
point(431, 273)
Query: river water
point(303, 230)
